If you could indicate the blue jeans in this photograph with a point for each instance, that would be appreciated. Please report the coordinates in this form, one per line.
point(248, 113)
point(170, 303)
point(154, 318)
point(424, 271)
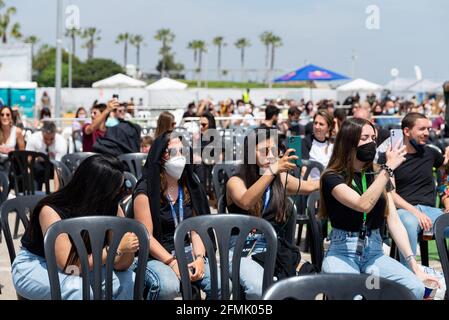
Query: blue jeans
point(251, 273)
point(341, 258)
point(411, 224)
point(162, 277)
point(30, 279)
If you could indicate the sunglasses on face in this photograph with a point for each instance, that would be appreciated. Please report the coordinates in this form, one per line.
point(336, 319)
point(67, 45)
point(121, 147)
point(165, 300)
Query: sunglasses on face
point(120, 111)
point(174, 151)
point(266, 150)
point(7, 115)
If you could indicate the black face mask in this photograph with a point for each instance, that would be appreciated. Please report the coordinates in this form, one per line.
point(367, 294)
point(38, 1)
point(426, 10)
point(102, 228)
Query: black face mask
point(418, 147)
point(366, 152)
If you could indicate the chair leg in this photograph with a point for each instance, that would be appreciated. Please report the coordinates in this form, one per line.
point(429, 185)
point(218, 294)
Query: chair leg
point(16, 227)
point(424, 247)
point(298, 238)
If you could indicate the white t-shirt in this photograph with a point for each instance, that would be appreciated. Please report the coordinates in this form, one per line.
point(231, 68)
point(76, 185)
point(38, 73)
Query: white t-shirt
point(320, 152)
point(55, 151)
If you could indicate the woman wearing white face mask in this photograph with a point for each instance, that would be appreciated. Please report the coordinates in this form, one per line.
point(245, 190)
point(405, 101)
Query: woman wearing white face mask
point(166, 195)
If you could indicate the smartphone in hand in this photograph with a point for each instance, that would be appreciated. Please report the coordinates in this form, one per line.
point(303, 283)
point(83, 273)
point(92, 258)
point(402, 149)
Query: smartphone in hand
point(295, 142)
point(395, 137)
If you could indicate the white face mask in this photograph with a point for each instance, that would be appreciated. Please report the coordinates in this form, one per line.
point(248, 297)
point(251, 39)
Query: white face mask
point(241, 109)
point(175, 166)
point(194, 110)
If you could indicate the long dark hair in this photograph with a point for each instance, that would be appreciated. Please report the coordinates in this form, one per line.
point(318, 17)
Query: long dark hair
point(95, 190)
point(250, 173)
point(344, 154)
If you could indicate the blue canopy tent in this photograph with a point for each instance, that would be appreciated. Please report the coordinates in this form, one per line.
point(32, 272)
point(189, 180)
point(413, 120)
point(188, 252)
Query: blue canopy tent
point(311, 73)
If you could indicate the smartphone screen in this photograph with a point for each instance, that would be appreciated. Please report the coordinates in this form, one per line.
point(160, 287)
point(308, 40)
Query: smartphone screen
point(395, 137)
point(295, 142)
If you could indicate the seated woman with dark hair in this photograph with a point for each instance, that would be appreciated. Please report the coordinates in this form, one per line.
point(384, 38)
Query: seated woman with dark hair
point(167, 194)
point(259, 189)
point(95, 189)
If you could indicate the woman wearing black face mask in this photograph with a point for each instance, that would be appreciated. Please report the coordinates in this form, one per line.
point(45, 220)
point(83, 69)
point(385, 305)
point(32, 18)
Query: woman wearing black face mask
point(357, 201)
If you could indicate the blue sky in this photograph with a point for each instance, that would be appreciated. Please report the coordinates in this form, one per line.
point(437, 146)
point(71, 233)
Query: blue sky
point(322, 32)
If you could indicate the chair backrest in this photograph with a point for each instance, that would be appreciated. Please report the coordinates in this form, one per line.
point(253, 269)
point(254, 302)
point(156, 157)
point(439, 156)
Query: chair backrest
point(22, 169)
point(290, 228)
point(316, 238)
point(220, 175)
point(98, 228)
point(4, 182)
point(131, 178)
point(223, 225)
point(63, 172)
point(338, 287)
point(310, 165)
point(134, 162)
point(441, 224)
point(73, 160)
point(22, 205)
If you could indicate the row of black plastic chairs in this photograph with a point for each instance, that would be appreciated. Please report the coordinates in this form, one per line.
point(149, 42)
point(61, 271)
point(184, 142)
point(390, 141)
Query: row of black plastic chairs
point(304, 287)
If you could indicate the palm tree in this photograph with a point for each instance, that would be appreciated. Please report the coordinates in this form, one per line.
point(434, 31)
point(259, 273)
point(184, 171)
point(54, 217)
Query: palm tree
point(265, 39)
point(33, 40)
point(275, 42)
point(124, 37)
point(137, 41)
point(219, 42)
point(5, 21)
point(241, 44)
point(166, 37)
point(72, 34)
point(192, 46)
point(92, 37)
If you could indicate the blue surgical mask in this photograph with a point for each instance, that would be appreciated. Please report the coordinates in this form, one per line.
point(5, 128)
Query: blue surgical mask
point(418, 147)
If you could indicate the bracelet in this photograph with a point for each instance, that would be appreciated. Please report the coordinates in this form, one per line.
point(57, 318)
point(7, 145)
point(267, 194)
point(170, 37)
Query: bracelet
point(118, 253)
point(388, 170)
point(410, 257)
point(202, 256)
point(170, 260)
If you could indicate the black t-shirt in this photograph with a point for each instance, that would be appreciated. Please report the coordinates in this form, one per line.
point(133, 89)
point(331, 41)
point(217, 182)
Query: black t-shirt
point(33, 239)
point(345, 218)
point(167, 222)
point(414, 178)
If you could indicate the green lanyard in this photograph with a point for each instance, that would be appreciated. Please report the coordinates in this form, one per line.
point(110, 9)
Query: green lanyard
point(360, 192)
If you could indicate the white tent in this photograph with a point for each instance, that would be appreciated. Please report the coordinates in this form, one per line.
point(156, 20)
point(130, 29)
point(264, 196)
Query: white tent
point(167, 84)
point(18, 85)
point(360, 85)
point(119, 81)
point(400, 84)
point(426, 86)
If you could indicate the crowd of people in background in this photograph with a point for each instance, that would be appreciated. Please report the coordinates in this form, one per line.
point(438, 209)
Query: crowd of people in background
point(347, 140)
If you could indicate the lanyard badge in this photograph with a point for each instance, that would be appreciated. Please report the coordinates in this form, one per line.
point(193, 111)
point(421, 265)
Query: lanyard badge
point(181, 208)
point(361, 241)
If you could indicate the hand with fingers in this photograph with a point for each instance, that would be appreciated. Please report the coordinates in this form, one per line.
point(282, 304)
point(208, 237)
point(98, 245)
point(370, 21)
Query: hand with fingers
point(129, 243)
point(285, 163)
point(395, 156)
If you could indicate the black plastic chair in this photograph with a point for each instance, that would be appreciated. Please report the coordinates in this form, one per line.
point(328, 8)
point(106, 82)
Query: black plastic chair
point(23, 171)
point(4, 182)
point(441, 224)
point(338, 287)
point(313, 225)
point(223, 225)
point(73, 160)
point(220, 176)
point(134, 162)
point(63, 172)
point(310, 165)
point(97, 227)
point(22, 205)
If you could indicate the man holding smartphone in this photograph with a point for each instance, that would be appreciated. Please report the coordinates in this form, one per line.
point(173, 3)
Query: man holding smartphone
point(415, 192)
point(92, 131)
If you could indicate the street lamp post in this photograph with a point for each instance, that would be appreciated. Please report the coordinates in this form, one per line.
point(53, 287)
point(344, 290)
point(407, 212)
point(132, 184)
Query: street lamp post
point(58, 77)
